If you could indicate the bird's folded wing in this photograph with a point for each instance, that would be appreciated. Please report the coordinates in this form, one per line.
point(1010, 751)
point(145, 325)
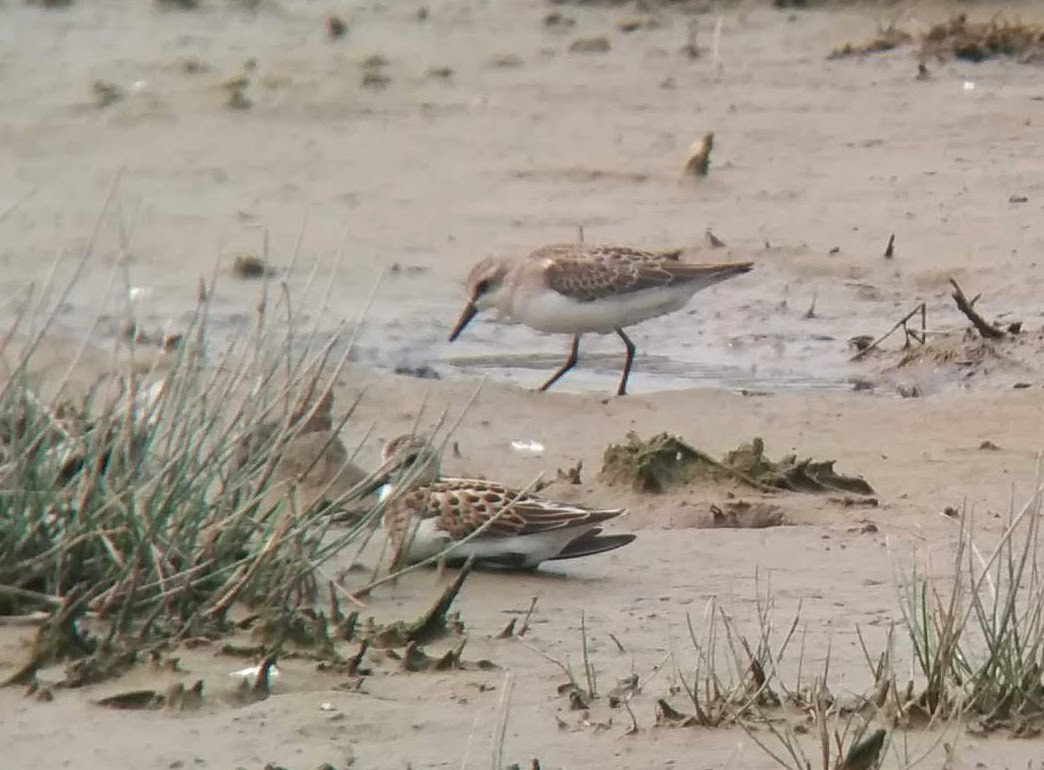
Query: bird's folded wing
point(587, 280)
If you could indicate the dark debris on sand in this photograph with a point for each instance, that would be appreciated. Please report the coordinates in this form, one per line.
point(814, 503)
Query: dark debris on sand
point(958, 38)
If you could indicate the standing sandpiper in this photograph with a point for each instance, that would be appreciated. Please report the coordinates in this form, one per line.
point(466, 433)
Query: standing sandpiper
point(578, 288)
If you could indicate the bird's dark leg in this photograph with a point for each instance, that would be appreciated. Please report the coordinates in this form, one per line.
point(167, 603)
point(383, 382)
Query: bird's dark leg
point(574, 356)
point(622, 390)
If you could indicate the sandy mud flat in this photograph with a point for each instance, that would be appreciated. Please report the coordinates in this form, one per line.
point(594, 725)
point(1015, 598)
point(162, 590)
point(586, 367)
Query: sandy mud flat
point(372, 169)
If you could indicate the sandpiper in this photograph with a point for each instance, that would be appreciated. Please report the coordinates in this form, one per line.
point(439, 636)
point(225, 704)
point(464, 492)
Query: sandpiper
point(518, 530)
point(581, 288)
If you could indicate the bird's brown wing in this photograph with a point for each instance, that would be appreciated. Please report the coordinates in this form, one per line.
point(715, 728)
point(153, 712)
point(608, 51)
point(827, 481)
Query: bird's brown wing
point(462, 506)
point(605, 251)
point(587, 279)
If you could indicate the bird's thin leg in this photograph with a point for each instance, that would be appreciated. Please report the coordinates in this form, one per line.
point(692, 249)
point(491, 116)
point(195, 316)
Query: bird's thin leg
point(622, 390)
point(574, 356)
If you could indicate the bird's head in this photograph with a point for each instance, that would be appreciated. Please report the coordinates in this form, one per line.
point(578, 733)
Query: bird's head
point(485, 284)
point(408, 460)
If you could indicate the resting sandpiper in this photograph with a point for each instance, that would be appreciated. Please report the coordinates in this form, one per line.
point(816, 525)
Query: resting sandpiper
point(579, 288)
point(518, 530)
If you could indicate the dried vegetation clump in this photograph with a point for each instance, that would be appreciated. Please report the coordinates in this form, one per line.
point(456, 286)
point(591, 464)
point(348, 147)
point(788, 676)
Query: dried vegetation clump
point(982, 347)
point(958, 38)
point(665, 462)
point(974, 636)
point(886, 39)
point(961, 39)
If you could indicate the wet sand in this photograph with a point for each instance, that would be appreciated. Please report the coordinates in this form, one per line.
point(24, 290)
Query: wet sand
point(817, 162)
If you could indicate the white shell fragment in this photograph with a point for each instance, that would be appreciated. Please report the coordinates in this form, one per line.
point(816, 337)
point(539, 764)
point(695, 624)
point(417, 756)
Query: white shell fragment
point(249, 674)
point(528, 447)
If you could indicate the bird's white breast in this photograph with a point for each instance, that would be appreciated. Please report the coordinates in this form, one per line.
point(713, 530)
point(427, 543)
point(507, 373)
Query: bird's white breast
point(548, 311)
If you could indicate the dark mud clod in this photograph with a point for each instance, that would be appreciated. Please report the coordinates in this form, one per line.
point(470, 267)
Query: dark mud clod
point(570, 475)
point(336, 27)
point(420, 372)
point(577, 701)
point(739, 514)
point(691, 49)
point(306, 630)
point(698, 162)
point(250, 266)
point(440, 72)
point(506, 61)
point(106, 93)
point(861, 342)
point(599, 44)
point(376, 79)
point(667, 714)
point(624, 688)
point(556, 20)
point(237, 97)
point(374, 74)
point(133, 700)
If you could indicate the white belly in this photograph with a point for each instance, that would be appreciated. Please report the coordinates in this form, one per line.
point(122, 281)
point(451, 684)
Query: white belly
point(549, 311)
point(523, 551)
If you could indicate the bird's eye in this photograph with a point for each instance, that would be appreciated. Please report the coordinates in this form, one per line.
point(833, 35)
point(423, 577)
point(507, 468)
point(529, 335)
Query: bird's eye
point(411, 458)
point(481, 287)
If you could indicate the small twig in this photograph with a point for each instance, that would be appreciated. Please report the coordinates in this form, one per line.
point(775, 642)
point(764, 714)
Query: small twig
point(633, 729)
point(502, 721)
point(550, 659)
point(588, 669)
point(889, 251)
point(616, 641)
point(525, 621)
point(900, 324)
point(984, 327)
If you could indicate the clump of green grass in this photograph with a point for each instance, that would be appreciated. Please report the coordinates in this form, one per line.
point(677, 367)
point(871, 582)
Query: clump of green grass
point(979, 641)
point(144, 510)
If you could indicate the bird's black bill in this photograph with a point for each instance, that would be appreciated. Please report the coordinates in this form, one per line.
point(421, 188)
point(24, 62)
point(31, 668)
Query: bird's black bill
point(465, 318)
